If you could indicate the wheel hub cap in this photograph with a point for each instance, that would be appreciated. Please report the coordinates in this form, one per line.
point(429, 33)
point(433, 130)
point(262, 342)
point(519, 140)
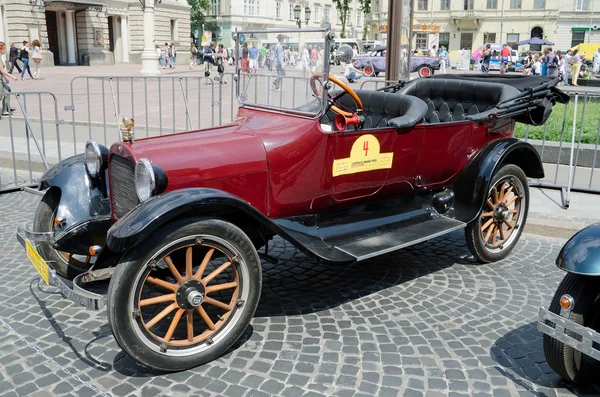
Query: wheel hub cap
point(501, 213)
point(190, 294)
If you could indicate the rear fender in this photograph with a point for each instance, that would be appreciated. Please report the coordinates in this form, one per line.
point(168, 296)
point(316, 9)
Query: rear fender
point(473, 184)
point(581, 254)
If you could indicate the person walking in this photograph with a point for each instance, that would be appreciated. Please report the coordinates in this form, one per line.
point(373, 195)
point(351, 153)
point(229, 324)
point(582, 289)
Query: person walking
point(487, 57)
point(36, 57)
point(173, 56)
point(25, 52)
point(305, 61)
point(253, 52)
point(13, 57)
point(551, 63)
point(528, 64)
point(165, 51)
point(193, 55)
point(262, 57)
point(443, 54)
point(278, 63)
point(505, 57)
point(221, 57)
point(4, 88)
point(576, 66)
point(567, 66)
point(597, 62)
point(209, 59)
point(245, 59)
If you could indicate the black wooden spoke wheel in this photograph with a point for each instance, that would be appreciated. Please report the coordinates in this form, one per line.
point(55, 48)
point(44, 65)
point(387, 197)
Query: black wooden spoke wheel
point(571, 364)
point(494, 233)
point(185, 295)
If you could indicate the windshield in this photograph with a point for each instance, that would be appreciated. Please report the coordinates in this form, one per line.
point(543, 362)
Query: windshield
point(275, 69)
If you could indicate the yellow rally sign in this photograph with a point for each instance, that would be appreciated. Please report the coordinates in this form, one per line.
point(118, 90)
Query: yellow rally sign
point(37, 262)
point(364, 156)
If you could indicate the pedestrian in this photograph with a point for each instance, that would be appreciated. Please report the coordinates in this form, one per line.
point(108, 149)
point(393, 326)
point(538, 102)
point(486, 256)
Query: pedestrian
point(351, 72)
point(25, 53)
point(221, 57)
point(505, 57)
point(209, 59)
point(166, 50)
point(159, 56)
point(576, 64)
point(537, 66)
point(551, 63)
point(193, 56)
point(278, 63)
point(262, 57)
point(314, 56)
point(36, 57)
point(433, 52)
point(173, 56)
point(597, 62)
point(14, 55)
point(528, 64)
point(567, 66)
point(4, 88)
point(305, 61)
point(270, 55)
point(443, 54)
point(485, 61)
point(561, 65)
point(253, 52)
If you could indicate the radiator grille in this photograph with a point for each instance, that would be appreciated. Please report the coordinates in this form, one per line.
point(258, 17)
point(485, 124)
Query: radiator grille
point(122, 185)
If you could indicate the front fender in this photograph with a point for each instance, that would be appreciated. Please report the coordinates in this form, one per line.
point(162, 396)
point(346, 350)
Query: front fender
point(473, 184)
point(581, 254)
point(81, 197)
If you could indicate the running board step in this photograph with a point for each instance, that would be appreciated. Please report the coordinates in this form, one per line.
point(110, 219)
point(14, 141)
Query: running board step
point(400, 237)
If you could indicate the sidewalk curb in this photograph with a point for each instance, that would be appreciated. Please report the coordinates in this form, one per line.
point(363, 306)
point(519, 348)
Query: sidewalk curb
point(553, 228)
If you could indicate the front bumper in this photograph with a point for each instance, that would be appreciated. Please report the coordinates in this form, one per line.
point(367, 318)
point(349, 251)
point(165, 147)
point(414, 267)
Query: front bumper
point(74, 290)
point(561, 324)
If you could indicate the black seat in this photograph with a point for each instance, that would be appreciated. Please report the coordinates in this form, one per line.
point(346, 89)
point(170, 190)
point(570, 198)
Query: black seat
point(383, 109)
point(453, 99)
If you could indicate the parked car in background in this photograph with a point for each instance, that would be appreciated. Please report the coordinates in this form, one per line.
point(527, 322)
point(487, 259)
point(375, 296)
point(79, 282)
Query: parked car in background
point(571, 325)
point(374, 62)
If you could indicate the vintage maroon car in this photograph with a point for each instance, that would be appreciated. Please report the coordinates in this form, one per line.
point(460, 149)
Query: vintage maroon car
point(178, 220)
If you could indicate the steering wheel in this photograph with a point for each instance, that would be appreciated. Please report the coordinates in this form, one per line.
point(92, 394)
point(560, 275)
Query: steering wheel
point(347, 90)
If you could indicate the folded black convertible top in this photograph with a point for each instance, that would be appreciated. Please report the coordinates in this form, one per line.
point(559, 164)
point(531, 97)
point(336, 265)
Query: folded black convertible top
point(520, 82)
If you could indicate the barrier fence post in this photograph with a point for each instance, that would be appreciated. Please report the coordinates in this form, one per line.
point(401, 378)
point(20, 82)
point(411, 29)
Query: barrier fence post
point(570, 181)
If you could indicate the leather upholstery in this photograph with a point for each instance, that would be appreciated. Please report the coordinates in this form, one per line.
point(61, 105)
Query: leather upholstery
point(453, 100)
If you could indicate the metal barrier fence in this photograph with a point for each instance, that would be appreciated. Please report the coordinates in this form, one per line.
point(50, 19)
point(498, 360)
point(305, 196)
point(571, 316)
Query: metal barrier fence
point(41, 132)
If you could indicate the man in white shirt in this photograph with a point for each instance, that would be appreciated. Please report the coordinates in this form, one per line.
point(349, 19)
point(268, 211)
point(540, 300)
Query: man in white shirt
point(597, 62)
point(351, 73)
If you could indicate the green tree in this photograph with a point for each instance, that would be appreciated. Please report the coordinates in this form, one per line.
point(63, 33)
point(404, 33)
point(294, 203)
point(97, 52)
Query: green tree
point(198, 12)
point(365, 8)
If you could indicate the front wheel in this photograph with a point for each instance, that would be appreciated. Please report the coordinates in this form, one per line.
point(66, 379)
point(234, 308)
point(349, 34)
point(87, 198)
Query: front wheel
point(424, 71)
point(186, 295)
point(368, 70)
point(571, 364)
point(497, 228)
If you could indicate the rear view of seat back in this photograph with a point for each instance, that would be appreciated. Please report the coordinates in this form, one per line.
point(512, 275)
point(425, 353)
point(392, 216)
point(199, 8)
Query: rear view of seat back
point(453, 100)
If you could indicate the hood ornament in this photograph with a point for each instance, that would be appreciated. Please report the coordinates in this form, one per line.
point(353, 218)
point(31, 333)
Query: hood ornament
point(125, 126)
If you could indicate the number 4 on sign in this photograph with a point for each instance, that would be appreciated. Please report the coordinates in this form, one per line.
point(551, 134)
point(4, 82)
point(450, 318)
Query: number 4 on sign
point(366, 147)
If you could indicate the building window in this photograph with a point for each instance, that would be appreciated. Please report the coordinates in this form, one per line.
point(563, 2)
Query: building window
point(581, 5)
point(421, 41)
point(215, 7)
point(539, 4)
point(516, 4)
point(291, 12)
point(489, 38)
point(468, 4)
point(278, 10)
point(359, 18)
point(578, 37)
point(339, 17)
point(327, 14)
point(466, 41)
point(492, 4)
point(445, 5)
point(173, 30)
point(512, 39)
point(316, 14)
point(251, 7)
point(422, 5)
point(375, 7)
point(444, 40)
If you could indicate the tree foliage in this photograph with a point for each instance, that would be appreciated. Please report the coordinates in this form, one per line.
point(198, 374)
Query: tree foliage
point(343, 6)
point(198, 12)
point(365, 8)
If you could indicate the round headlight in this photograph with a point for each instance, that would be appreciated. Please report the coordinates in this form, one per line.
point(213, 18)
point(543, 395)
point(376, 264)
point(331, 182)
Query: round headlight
point(145, 180)
point(93, 158)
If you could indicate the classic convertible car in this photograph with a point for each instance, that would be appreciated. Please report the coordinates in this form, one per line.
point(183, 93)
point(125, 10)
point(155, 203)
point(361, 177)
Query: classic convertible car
point(176, 222)
point(572, 323)
point(374, 63)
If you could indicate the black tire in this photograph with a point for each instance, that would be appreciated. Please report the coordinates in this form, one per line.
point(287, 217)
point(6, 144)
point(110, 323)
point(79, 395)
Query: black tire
point(376, 74)
point(476, 241)
point(570, 364)
point(43, 221)
point(130, 330)
point(424, 71)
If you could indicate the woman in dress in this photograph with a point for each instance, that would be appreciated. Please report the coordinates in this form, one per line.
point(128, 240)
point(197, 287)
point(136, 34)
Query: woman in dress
point(36, 57)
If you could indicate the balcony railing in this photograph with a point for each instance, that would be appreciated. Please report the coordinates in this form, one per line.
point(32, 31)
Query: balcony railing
point(463, 14)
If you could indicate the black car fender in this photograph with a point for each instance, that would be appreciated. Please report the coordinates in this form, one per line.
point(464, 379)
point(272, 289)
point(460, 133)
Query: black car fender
point(473, 183)
point(581, 254)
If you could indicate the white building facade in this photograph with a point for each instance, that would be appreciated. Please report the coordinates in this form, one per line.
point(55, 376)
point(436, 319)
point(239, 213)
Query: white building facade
point(579, 22)
point(92, 32)
point(227, 15)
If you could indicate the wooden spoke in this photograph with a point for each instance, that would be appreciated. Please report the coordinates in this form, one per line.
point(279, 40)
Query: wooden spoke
point(217, 303)
point(161, 315)
point(215, 273)
point(513, 211)
point(496, 197)
point(501, 233)
point(188, 264)
point(174, 270)
point(162, 283)
point(510, 225)
point(157, 299)
point(489, 203)
point(494, 234)
point(204, 263)
point(489, 233)
point(486, 214)
point(508, 191)
point(190, 325)
point(487, 224)
point(512, 199)
point(220, 287)
point(174, 324)
point(205, 317)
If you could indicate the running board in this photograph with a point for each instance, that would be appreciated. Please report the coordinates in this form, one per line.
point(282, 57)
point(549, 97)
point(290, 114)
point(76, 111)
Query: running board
point(400, 237)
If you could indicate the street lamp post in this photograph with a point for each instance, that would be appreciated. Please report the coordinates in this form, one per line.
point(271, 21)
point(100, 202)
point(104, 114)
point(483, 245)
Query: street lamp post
point(502, 22)
point(298, 11)
point(149, 62)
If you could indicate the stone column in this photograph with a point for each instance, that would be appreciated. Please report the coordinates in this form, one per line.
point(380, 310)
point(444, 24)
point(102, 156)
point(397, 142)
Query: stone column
point(71, 56)
point(125, 39)
point(149, 58)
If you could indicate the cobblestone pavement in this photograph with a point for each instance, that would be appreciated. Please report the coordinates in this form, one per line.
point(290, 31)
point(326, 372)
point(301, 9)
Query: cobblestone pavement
point(424, 321)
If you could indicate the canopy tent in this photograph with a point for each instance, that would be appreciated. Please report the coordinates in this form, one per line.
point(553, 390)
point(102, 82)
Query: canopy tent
point(590, 49)
point(535, 41)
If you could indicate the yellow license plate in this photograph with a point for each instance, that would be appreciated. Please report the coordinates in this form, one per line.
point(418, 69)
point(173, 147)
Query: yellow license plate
point(37, 262)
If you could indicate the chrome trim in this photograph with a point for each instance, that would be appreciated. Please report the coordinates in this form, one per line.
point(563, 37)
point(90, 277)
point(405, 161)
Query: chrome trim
point(25, 230)
point(567, 312)
point(144, 162)
point(98, 154)
point(558, 332)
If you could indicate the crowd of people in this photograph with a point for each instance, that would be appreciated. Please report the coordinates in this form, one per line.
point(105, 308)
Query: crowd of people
point(554, 64)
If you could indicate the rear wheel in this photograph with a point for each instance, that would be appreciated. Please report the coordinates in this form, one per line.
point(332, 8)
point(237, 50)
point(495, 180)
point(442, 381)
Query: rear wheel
point(65, 264)
point(186, 295)
point(368, 70)
point(494, 233)
point(424, 71)
point(571, 364)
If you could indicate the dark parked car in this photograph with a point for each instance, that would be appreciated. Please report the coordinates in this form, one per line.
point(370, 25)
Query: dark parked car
point(176, 222)
point(374, 63)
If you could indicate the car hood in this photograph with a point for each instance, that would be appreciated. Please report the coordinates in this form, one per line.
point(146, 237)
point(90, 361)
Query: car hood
point(195, 156)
